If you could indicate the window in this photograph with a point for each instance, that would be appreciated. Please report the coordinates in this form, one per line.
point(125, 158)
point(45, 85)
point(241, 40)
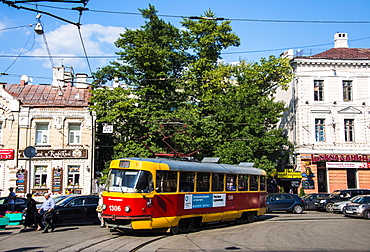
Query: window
point(217, 182)
point(203, 182)
point(320, 130)
point(349, 130)
point(166, 181)
point(187, 181)
point(40, 176)
point(243, 182)
point(262, 183)
point(42, 133)
point(318, 90)
point(347, 90)
point(254, 183)
point(74, 135)
point(230, 182)
point(73, 175)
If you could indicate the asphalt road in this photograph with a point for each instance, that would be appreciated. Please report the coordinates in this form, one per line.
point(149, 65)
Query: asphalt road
point(310, 231)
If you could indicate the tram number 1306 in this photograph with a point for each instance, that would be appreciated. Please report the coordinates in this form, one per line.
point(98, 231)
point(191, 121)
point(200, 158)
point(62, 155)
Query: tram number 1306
point(114, 208)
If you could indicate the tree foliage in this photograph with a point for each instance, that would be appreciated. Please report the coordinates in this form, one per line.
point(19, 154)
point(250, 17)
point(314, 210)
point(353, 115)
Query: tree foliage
point(173, 78)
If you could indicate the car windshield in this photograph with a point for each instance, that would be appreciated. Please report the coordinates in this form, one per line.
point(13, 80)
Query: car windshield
point(362, 200)
point(124, 181)
point(63, 201)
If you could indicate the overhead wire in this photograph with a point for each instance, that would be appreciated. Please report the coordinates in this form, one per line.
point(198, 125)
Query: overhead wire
point(227, 19)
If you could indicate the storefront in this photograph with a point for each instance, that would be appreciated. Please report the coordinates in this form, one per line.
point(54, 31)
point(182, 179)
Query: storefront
point(329, 172)
point(289, 181)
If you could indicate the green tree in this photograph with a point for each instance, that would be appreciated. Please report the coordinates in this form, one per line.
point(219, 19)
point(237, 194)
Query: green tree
point(174, 77)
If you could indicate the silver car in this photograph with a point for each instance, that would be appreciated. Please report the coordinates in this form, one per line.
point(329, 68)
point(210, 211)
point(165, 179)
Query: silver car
point(338, 207)
point(358, 208)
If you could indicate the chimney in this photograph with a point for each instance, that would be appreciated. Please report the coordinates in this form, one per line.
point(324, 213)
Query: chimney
point(340, 40)
point(81, 80)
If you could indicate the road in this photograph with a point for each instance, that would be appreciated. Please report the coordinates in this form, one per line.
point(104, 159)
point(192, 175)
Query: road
point(310, 231)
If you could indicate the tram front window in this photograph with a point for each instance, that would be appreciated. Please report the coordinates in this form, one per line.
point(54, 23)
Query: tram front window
point(129, 181)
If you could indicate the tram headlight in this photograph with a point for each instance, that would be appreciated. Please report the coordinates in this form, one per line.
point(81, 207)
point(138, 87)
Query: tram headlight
point(104, 206)
point(127, 209)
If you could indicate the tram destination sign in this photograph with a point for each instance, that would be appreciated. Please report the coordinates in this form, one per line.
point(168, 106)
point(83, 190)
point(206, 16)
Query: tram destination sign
point(58, 153)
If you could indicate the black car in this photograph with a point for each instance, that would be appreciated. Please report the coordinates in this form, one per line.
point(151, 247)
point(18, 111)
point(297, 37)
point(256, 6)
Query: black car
point(310, 199)
point(77, 209)
point(19, 206)
point(326, 203)
point(284, 202)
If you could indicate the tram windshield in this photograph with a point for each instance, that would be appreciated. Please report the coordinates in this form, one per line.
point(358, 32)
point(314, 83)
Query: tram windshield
point(129, 181)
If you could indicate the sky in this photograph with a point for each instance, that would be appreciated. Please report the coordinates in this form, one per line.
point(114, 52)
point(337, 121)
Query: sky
point(265, 27)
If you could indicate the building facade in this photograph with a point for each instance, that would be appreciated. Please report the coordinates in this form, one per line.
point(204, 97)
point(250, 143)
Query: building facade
point(328, 117)
point(47, 136)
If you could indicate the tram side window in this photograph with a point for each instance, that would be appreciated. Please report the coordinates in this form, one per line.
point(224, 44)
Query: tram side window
point(203, 182)
point(187, 181)
point(243, 182)
point(253, 182)
point(217, 182)
point(166, 181)
point(230, 182)
point(262, 183)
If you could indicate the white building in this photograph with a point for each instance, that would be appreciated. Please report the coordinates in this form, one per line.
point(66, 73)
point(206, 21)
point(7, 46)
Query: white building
point(328, 118)
point(54, 123)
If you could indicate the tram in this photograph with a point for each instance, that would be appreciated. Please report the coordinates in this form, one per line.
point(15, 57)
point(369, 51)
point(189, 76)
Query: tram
point(146, 194)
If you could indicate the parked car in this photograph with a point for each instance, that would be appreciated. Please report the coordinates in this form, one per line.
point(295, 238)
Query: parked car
point(360, 207)
point(310, 199)
point(284, 202)
point(326, 203)
point(19, 206)
point(77, 209)
point(338, 206)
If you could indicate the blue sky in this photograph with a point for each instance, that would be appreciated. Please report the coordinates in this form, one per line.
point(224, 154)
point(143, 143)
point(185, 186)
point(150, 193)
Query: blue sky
point(100, 29)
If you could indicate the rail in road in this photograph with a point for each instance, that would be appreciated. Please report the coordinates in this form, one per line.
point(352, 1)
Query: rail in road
point(255, 236)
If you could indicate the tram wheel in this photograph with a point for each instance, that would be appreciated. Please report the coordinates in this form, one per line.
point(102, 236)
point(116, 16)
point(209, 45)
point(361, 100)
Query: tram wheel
point(192, 226)
point(250, 217)
point(175, 230)
point(232, 222)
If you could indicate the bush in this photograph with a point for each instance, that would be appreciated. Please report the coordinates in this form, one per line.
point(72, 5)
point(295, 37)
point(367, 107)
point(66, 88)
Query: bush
point(301, 192)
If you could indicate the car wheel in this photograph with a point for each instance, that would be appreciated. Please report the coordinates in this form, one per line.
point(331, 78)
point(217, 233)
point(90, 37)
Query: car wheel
point(329, 207)
point(298, 209)
point(367, 215)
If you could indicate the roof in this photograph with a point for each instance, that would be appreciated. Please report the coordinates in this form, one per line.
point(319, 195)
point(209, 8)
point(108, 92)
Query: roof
point(202, 167)
point(48, 95)
point(343, 53)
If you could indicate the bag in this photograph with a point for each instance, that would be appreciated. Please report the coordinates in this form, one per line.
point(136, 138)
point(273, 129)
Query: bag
point(99, 208)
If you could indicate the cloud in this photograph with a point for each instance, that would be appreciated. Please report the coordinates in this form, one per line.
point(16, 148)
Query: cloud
point(65, 41)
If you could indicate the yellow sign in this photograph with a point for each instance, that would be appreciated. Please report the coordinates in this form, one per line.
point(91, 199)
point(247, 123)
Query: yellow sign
point(289, 173)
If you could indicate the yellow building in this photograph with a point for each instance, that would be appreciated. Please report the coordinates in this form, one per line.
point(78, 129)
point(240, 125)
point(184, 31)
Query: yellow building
point(56, 128)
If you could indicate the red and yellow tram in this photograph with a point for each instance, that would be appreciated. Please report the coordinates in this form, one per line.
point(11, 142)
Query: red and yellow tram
point(143, 193)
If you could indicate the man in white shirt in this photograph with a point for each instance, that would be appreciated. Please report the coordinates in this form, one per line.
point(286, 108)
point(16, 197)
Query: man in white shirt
point(47, 209)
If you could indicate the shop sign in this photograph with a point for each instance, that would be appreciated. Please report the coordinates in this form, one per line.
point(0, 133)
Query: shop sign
point(289, 173)
point(59, 153)
point(346, 165)
point(6, 154)
point(305, 156)
point(340, 158)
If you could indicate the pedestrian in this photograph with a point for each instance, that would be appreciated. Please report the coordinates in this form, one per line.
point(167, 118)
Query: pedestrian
point(11, 199)
point(31, 213)
point(47, 211)
point(99, 209)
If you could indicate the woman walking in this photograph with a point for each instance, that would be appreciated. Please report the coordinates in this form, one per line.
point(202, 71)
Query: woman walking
point(31, 213)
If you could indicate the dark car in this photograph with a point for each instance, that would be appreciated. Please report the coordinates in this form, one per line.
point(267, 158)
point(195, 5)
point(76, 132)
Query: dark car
point(310, 199)
point(19, 206)
point(77, 209)
point(327, 203)
point(284, 202)
point(360, 207)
